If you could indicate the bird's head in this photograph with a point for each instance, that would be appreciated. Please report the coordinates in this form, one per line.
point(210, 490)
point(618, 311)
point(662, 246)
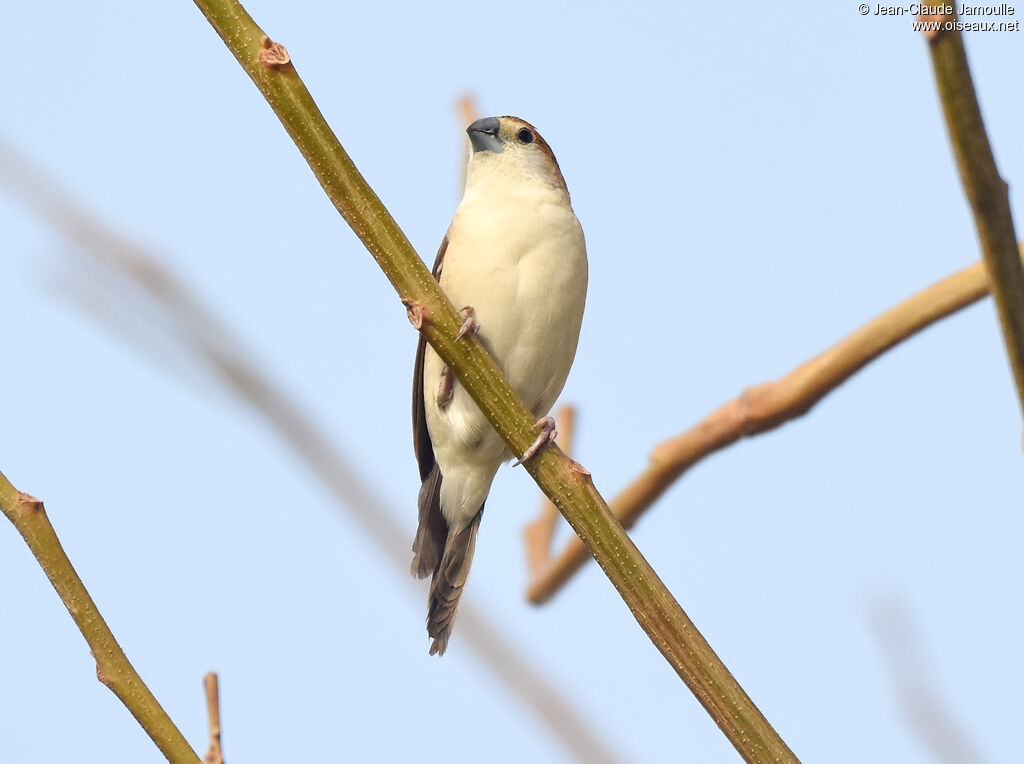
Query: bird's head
point(512, 147)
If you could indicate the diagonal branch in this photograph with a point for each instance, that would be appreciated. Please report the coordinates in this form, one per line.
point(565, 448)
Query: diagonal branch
point(567, 483)
point(766, 406)
point(986, 190)
point(193, 324)
point(112, 666)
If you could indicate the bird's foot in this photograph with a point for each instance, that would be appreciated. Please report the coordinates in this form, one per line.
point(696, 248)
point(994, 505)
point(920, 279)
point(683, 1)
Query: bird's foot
point(547, 432)
point(447, 388)
point(470, 325)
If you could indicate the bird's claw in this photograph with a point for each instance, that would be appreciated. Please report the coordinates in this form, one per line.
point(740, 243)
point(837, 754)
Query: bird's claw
point(447, 387)
point(547, 433)
point(470, 325)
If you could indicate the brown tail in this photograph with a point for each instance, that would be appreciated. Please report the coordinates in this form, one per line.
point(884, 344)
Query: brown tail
point(448, 581)
point(433, 528)
point(444, 555)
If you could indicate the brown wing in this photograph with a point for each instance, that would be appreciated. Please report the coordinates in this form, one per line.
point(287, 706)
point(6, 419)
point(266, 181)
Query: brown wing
point(420, 436)
point(432, 530)
point(436, 553)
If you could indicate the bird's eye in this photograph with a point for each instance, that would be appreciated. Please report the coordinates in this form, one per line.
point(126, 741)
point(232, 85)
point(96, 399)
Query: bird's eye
point(525, 136)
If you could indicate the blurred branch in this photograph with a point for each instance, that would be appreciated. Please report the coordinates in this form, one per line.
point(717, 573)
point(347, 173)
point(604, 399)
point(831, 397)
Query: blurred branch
point(537, 536)
point(128, 314)
point(766, 406)
point(920, 700)
point(173, 307)
point(467, 111)
point(215, 755)
point(567, 483)
point(986, 190)
point(112, 666)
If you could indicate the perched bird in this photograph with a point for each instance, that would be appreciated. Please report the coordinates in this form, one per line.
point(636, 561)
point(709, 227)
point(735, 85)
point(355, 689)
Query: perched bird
point(514, 255)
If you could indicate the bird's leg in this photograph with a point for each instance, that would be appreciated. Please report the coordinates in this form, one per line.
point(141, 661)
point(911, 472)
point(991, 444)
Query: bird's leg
point(470, 325)
point(547, 432)
point(447, 387)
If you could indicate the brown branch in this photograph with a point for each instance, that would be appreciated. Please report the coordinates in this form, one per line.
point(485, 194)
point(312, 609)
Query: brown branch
point(986, 190)
point(466, 109)
point(215, 755)
point(197, 328)
point(112, 666)
point(468, 113)
point(766, 406)
point(537, 536)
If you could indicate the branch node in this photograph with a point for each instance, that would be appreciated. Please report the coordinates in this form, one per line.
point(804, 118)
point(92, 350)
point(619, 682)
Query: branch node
point(102, 676)
point(932, 32)
point(745, 405)
point(417, 312)
point(578, 469)
point(273, 55)
point(30, 502)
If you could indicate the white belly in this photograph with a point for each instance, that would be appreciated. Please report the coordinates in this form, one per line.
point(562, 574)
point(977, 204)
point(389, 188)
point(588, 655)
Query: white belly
point(523, 269)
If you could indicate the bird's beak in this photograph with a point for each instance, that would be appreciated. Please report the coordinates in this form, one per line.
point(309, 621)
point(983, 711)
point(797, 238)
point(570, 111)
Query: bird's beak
point(483, 134)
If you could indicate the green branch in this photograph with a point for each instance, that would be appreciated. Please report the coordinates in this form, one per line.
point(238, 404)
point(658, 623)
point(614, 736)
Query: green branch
point(986, 190)
point(567, 484)
point(112, 665)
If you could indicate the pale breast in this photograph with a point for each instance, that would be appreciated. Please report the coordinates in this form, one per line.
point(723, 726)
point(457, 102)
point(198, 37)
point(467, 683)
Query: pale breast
point(523, 268)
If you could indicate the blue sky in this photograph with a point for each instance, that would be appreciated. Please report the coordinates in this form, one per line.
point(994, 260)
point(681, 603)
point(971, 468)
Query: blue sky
point(754, 183)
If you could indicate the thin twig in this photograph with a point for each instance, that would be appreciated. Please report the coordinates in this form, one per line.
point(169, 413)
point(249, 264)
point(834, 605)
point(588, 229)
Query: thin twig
point(766, 406)
point(112, 666)
point(215, 755)
point(203, 336)
point(986, 190)
point(537, 535)
point(467, 113)
point(567, 483)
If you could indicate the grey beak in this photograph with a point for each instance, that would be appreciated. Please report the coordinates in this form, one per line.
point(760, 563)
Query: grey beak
point(483, 134)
